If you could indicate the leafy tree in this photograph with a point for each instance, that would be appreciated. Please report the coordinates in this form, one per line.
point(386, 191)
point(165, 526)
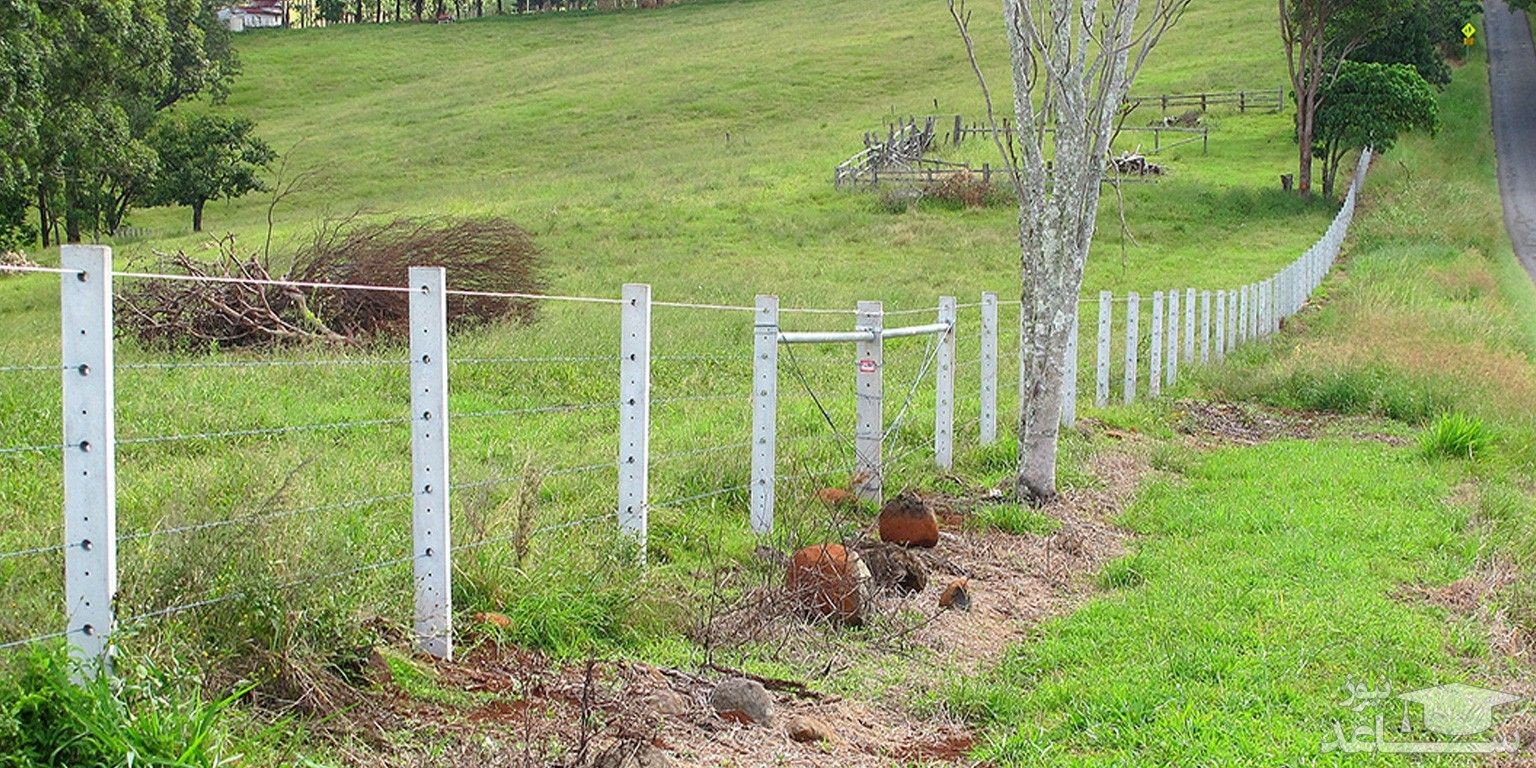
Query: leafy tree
point(206, 157)
point(1370, 105)
point(1319, 35)
point(84, 81)
point(1423, 36)
point(331, 11)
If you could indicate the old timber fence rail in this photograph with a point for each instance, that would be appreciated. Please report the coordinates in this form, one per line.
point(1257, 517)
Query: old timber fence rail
point(901, 158)
point(1185, 326)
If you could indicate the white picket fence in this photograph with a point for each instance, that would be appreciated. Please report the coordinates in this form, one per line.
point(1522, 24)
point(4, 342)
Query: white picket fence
point(1224, 319)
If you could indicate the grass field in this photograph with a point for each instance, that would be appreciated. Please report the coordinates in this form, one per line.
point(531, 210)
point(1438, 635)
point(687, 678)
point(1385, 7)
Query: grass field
point(692, 148)
point(1269, 577)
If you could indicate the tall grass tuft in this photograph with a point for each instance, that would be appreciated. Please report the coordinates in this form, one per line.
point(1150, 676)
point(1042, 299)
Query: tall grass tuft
point(139, 718)
point(1456, 435)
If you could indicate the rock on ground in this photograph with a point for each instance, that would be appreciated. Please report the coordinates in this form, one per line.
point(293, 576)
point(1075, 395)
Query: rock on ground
point(827, 581)
point(742, 700)
point(905, 519)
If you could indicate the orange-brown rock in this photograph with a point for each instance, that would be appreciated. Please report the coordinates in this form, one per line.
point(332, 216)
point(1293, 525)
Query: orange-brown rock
point(828, 581)
point(956, 595)
point(837, 497)
point(497, 619)
point(906, 520)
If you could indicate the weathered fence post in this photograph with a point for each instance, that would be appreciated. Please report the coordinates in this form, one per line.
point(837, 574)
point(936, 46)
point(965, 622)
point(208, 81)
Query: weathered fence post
point(1171, 366)
point(1189, 326)
point(1232, 338)
point(1132, 337)
point(1221, 326)
point(869, 409)
point(429, 461)
point(1155, 352)
point(988, 367)
point(959, 129)
point(1101, 374)
point(944, 380)
point(1242, 314)
point(1069, 378)
point(765, 411)
point(635, 413)
point(1205, 327)
point(90, 449)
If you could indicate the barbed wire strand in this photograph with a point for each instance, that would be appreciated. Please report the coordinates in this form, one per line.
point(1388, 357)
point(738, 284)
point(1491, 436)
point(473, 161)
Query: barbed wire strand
point(36, 639)
point(262, 517)
point(262, 431)
point(255, 364)
point(35, 551)
point(535, 532)
point(32, 449)
point(34, 368)
point(700, 398)
point(505, 479)
point(171, 610)
point(531, 410)
point(512, 360)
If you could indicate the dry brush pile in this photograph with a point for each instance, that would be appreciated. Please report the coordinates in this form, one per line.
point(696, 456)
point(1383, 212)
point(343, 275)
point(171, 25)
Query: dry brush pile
point(243, 307)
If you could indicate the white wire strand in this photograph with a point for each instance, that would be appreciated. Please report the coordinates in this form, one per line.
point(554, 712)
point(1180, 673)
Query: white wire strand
point(31, 449)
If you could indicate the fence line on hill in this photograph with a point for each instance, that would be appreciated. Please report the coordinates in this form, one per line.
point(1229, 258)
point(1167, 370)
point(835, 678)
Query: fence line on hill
point(1177, 331)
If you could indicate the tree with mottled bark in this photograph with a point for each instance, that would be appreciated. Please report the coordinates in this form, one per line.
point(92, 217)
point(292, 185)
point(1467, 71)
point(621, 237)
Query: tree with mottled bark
point(1072, 65)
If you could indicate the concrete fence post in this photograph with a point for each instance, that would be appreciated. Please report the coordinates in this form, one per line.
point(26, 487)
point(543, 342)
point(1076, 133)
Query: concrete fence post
point(869, 411)
point(1101, 372)
point(1205, 327)
point(430, 532)
point(1242, 314)
point(1232, 337)
point(1171, 367)
point(1155, 350)
point(1189, 326)
point(1132, 337)
point(944, 382)
point(635, 413)
point(1069, 377)
point(765, 412)
point(1221, 326)
point(988, 368)
point(89, 461)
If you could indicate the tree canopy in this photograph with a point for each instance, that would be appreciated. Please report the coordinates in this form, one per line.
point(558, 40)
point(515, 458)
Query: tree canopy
point(205, 157)
point(83, 83)
point(1370, 105)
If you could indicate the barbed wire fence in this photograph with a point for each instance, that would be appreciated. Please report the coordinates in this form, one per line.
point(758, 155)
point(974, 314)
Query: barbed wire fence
point(598, 460)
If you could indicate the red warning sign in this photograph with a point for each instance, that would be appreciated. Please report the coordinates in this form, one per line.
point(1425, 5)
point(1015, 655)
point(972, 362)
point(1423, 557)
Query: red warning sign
point(867, 366)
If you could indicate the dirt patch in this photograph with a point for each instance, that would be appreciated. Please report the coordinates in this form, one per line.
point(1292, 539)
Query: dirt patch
point(519, 700)
point(1249, 424)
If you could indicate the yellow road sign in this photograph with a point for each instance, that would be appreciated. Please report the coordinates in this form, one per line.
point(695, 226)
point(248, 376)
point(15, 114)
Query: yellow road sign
point(1468, 30)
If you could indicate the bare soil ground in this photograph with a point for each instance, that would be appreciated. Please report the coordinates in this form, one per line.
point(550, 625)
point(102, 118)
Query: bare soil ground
point(520, 709)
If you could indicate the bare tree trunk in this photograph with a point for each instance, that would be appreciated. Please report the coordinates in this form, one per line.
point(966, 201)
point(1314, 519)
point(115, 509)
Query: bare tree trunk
point(1073, 62)
point(197, 216)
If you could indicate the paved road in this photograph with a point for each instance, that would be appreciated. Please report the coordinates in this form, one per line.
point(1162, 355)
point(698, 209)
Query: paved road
point(1512, 54)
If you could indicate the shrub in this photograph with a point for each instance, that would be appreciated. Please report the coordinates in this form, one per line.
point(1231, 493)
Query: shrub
point(962, 188)
point(1456, 435)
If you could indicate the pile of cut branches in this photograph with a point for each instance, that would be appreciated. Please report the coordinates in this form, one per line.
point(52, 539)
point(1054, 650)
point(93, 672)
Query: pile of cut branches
point(244, 305)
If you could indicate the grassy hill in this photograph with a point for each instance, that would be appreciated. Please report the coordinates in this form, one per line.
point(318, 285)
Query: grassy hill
point(692, 147)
